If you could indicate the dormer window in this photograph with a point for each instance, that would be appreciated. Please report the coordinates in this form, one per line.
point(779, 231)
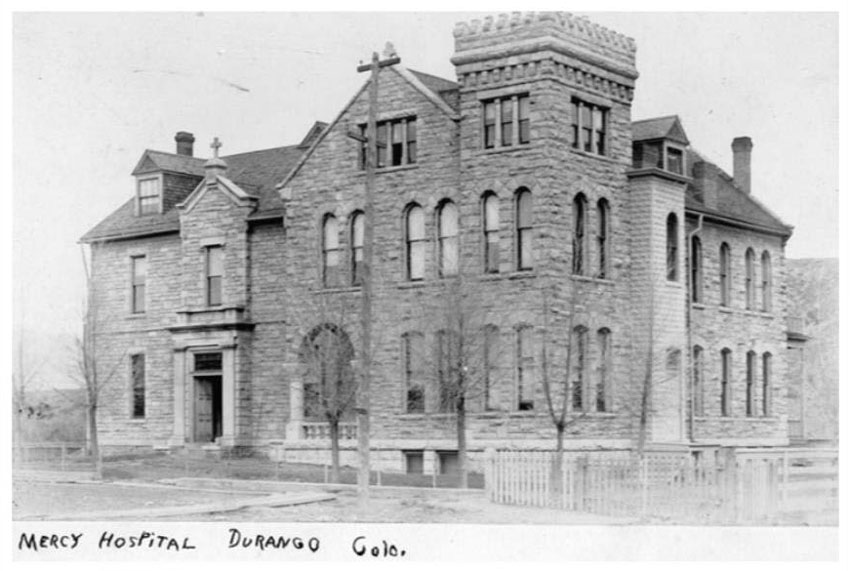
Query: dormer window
point(149, 196)
point(658, 154)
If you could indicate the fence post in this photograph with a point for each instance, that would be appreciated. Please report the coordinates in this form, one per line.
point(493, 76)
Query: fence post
point(489, 471)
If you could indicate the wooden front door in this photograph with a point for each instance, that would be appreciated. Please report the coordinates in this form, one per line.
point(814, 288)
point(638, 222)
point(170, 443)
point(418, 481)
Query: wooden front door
point(207, 409)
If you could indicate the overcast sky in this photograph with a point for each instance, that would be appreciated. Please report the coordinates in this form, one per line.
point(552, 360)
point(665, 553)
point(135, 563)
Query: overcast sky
point(92, 91)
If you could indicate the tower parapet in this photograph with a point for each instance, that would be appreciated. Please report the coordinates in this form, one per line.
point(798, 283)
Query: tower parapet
point(527, 45)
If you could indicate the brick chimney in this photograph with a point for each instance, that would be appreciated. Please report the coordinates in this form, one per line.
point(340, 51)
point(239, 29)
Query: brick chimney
point(741, 156)
point(185, 142)
point(705, 179)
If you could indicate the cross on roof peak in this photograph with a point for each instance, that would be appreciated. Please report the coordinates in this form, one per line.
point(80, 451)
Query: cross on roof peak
point(215, 146)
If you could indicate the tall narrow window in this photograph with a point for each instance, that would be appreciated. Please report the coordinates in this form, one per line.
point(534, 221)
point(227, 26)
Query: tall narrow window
point(411, 140)
point(415, 242)
point(579, 246)
point(524, 119)
point(490, 124)
point(507, 122)
point(397, 144)
point(751, 373)
point(750, 280)
point(139, 272)
point(602, 246)
point(672, 248)
point(413, 346)
point(382, 131)
point(698, 382)
point(725, 378)
point(603, 382)
point(766, 366)
point(215, 274)
point(579, 352)
point(696, 270)
point(447, 222)
point(491, 233)
point(357, 221)
point(447, 372)
point(525, 368)
point(330, 251)
point(137, 373)
point(149, 196)
point(725, 275)
point(524, 229)
point(766, 282)
point(491, 363)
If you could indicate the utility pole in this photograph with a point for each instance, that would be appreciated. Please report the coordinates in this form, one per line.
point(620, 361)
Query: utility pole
point(363, 392)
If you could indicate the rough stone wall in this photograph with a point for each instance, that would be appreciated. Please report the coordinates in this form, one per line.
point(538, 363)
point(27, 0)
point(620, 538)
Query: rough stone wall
point(741, 330)
point(121, 333)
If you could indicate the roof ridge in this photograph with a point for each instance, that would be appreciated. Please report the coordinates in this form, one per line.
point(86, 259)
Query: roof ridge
point(293, 146)
point(455, 83)
point(673, 116)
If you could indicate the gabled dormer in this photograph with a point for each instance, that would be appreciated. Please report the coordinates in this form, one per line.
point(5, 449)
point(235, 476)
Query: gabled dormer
point(165, 179)
point(660, 143)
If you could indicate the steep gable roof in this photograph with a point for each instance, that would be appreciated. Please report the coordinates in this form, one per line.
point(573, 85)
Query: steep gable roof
point(732, 202)
point(445, 89)
point(256, 172)
point(153, 161)
point(669, 127)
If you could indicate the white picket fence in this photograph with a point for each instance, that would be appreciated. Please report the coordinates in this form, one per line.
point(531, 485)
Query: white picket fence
point(724, 486)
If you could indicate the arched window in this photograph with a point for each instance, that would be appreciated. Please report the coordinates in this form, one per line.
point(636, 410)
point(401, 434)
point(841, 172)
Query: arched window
point(524, 229)
point(414, 359)
point(698, 386)
point(725, 380)
point(357, 222)
point(447, 229)
point(696, 270)
point(603, 381)
point(415, 242)
point(579, 232)
point(579, 351)
point(750, 262)
point(672, 247)
point(725, 275)
point(491, 363)
point(766, 371)
point(490, 206)
point(766, 282)
point(330, 251)
point(525, 369)
point(751, 374)
point(602, 231)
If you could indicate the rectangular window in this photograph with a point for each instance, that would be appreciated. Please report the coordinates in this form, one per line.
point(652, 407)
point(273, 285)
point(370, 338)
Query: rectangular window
point(137, 374)
point(699, 407)
point(589, 127)
point(414, 360)
point(396, 143)
point(139, 272)
point(447, 371)
point(751, 373)
point(580, 365)
point(414, 460)
point(506, 121)
point(215, 274)
point(491, 363)
point(726, 374)
point(149, 196)
point(525, 369)
point(675, 162)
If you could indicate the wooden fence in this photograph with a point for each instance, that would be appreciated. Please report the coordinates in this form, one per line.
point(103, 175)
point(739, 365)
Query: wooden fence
point(717, 486)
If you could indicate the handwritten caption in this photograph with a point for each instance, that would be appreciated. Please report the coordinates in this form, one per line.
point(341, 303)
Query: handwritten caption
point(235, 539)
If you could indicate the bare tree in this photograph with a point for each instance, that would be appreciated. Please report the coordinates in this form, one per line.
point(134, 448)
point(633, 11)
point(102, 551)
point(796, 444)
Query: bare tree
point(331, 392)
point(459, 321)
point(87, 367)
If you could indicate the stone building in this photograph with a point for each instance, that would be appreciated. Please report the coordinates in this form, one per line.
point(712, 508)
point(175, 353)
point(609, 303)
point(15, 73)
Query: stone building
point(521, 195)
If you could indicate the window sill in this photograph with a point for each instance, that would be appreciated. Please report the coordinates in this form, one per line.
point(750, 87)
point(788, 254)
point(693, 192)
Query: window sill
point(343, 289)
point(725, 309)
point(136, 316)
point(738, 418)
point(141, 420)
point(500, 150)
point(397, 168)
point(512, 275)
point(605, 158)
point(412, 284)
point(590, 279)
point(696, 305)
point(673, 284)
